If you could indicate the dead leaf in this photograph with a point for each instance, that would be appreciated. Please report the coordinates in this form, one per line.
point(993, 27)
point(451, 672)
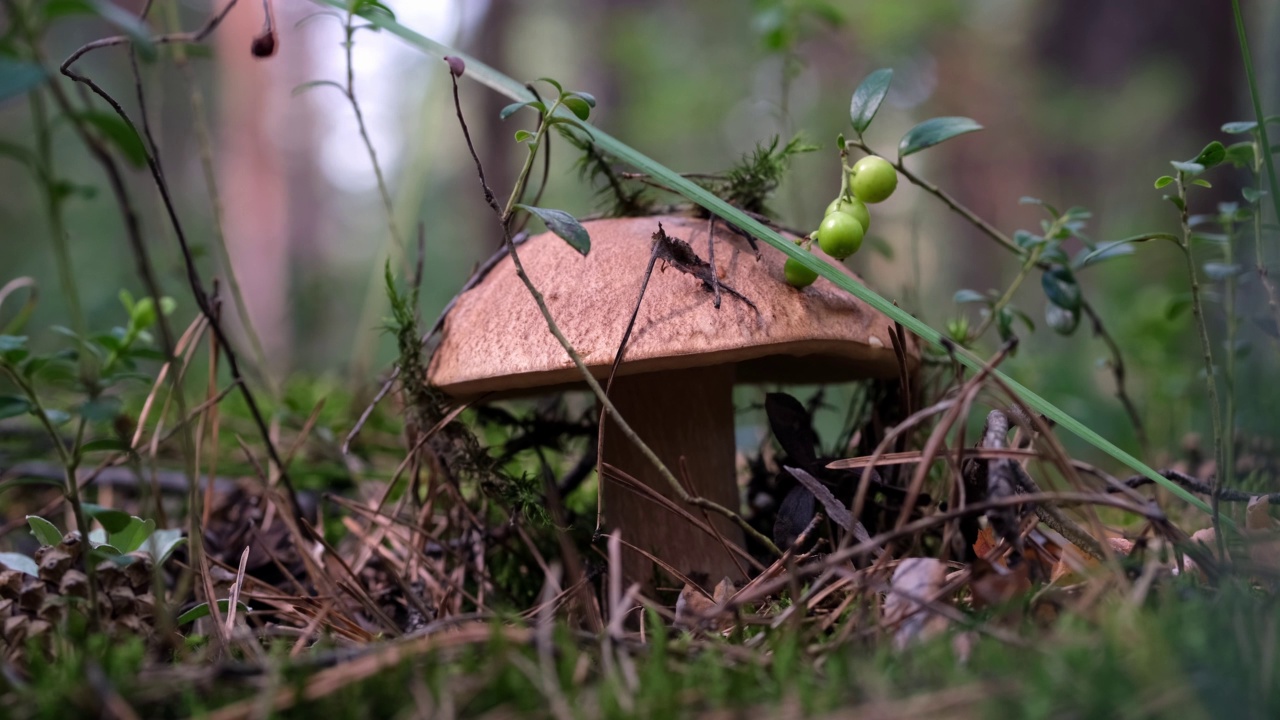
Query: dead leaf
point(915, 580)
point(1073, 565)
point(1258, 515)
point(694, 608)
point(994, 585)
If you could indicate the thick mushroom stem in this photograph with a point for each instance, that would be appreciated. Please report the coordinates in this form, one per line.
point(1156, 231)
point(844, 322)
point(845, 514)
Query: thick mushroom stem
point(680, 414)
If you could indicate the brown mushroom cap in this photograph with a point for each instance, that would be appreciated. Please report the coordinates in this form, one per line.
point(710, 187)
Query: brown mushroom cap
point(495, 340)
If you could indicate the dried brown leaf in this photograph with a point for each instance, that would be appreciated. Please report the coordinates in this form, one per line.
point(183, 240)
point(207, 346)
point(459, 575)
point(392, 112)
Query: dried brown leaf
point(915, 582)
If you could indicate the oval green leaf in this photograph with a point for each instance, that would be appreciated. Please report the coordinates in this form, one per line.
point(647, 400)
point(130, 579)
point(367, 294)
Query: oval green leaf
point(118, 133)
point(44, 530)
point(19, 562)
point(17, 77)
point(867, 98)
point(1163, 180)
point(564, 225)
point(1211, 155)
point(578, 106)
point(113, 520)
point(1061, 288)
point(510, 110)
point(13, 406)
point(933, 131)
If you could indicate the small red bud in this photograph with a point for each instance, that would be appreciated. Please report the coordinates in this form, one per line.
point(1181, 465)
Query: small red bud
point(456, 66)
point(264, 45)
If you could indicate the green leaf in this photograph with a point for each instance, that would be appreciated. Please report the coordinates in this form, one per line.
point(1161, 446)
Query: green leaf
point(1189, 168)
point(17, 77)
point(119, 133)
point(969, 296)
point(563, 225)
point(553, 83)
point(100, 409)
point(587, 97)
point(20, 481)
point(1027, 240)
point(1105, 251)
point(14, 405)
point(126, 21)
point(1177, 306)
point(867, 98)
point(162, 543)
point(1252, 195)
point(1163, 180)
point(1112, 249)
point(19, 562)
point(98, 541)
point(133, 535)
point(44, 531)
point(1221, 271)
point(9, 343)
point(143, 314)
point(1235, 128)
point(112, 520)
point(1212, 154)
point(510, 110)
point(1240, 154)
point(933, 131)
point(57, 417)
point(1201, 182)
point(312, 84)
point(578, 106)
point(522, 135)
point(482, 73)
point(1025, 318)
point(1060, 319)
point(370, 9)
point(1061, 288)
point(202, 610)
point(105, 445)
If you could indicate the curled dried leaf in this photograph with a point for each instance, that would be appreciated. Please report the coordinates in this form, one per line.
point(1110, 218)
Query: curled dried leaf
point(915, 582)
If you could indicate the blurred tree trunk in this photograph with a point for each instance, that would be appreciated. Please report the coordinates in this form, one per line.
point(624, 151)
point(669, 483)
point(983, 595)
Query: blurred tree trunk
point(252, 178)
point(493, 138)
point(267, 173)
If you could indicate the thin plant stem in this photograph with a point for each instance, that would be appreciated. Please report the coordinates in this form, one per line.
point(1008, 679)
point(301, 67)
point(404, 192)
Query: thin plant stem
point(1256, 98)
point(1260, 263)
point(1211, 383)
point(1226, 471)
point(394, 253)
point(58, 231)
point(1032, 258)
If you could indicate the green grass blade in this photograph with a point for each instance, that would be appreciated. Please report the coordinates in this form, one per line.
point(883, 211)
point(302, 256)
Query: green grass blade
point(1256, 98)
point(513, 89)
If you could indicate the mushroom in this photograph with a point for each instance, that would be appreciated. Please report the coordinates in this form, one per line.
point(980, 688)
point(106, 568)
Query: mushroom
point(674, 386)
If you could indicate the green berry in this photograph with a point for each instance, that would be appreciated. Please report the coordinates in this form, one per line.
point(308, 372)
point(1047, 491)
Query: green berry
point(840, 235)
point(798, 275)
point(854, 207)
point(874, 179)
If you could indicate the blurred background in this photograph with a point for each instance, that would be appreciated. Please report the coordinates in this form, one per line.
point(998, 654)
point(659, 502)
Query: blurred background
point(1084, 103)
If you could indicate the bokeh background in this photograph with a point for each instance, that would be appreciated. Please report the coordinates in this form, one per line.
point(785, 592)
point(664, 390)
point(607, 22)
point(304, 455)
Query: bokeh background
point(1084, 103)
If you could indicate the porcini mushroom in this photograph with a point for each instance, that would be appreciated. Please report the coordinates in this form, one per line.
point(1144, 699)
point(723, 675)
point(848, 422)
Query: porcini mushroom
point(674, 386)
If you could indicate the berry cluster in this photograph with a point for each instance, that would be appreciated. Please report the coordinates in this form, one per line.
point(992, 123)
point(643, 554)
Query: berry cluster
point(871, 180)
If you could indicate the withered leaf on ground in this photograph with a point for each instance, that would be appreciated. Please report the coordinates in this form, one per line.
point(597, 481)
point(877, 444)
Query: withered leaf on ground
point(915, 581)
